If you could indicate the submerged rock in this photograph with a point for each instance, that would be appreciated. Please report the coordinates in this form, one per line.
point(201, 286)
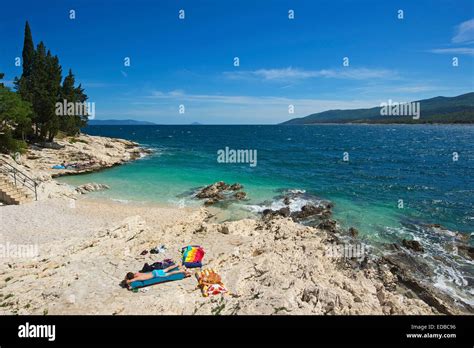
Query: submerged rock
point(219, 191)
point(353, 232)
point(91, 187)
point(307, 211)
point(414, 273)
point(236, 187)
point(211, 191)
point(240, 195)
point(466, 251)
point(413, 245)
point(328, 225)
point(310, 211)
point(269, 214)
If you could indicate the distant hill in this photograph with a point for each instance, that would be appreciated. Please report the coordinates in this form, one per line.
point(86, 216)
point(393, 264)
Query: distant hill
point(119, 123)
point(458, 109)
point(196, 124)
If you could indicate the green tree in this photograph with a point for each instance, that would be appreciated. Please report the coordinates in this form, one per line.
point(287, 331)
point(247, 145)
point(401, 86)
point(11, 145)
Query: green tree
point(39, 94)
point(71, 124)
point(54, 72)
point(28, 53)
point(45, 87)
point(14, 120)
point(81, 120)
point(40, 84)
point(23, 84)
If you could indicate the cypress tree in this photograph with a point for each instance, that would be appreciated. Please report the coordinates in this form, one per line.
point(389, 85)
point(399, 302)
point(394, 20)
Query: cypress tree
point(40, 84)
point(39, 92)
point(54, 72)
point(28, 51)
point(68, 94)
point(24, 85)
point(81, 120)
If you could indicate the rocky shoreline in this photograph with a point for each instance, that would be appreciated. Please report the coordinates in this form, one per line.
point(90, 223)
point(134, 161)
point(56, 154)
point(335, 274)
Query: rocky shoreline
point(285, 262)
point(78, 155)
point(270, 267)
point(400, 268)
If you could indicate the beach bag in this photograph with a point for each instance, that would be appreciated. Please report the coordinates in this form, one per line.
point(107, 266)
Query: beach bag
point(192, 256)
point(157, 265)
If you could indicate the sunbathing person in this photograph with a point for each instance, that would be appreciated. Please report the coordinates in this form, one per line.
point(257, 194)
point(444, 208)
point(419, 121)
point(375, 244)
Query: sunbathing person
point(133, 277)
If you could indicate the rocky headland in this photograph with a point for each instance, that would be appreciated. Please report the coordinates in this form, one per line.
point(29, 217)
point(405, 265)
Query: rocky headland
point(72, 156)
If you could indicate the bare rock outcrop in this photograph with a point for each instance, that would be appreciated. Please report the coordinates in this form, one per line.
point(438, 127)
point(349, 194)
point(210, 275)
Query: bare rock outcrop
point(91, 187)
point(220, 191)
point(78, 155)
point(270, 267)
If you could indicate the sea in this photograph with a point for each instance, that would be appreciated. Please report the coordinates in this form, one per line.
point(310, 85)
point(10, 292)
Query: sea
point(390, 182)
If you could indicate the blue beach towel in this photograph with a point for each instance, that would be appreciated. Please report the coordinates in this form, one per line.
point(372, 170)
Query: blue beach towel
point(156, 280)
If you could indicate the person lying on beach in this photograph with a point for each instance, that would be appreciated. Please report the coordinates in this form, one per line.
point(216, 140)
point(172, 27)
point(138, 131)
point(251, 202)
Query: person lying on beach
point(132, 277)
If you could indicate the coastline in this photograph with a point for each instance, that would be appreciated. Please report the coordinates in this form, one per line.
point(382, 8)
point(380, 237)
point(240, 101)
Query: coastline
point(86, 246)
point(89, 153)
point(279, 267)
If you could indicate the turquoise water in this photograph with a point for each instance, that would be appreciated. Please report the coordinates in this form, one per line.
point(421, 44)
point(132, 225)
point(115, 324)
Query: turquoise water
point(386, 164)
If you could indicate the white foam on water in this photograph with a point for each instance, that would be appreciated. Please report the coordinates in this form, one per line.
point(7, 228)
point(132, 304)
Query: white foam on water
point(296, 191)
point(445, 284)
point(296, 203)
point(124, 201)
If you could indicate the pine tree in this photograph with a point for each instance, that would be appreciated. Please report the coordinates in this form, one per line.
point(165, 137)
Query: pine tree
point(38, 83)
point(68, 95)
point(71, 124)
point(54, 72)
point(81, 120)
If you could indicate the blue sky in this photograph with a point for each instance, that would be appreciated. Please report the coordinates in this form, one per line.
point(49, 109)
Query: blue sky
point(282, 61)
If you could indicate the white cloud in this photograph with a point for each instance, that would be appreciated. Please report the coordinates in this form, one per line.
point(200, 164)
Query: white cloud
point(464, 35)
point(464, 32)
point(457, 50)
point(301, 74)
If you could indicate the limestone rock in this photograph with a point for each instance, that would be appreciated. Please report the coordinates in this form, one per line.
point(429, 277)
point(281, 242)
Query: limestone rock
point(91, 187)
